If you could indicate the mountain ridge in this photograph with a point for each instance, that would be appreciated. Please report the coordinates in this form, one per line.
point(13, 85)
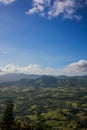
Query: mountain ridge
point(45, 81)
point(15, 77)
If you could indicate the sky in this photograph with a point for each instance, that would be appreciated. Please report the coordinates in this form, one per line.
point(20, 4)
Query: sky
point(43, 37)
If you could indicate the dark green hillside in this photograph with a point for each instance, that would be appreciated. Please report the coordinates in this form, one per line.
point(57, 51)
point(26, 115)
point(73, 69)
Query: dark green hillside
point(57, 102)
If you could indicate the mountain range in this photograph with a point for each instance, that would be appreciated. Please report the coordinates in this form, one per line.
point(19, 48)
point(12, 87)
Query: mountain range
point(15, 77)
point(43, 80)
point(56, 101)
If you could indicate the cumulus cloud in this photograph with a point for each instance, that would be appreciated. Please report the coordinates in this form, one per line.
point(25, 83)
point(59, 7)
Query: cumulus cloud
point(6, 1)
point(76, 68)
point(30, 69)
point(66, 8)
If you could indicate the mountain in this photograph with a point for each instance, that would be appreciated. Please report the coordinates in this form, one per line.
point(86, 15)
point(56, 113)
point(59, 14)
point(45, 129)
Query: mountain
point(39, 81)
point(47, 78)
point(15, 77)
point(56, 101)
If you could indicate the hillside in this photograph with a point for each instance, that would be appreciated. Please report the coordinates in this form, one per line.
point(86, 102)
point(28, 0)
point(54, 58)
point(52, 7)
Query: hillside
point(59, 102)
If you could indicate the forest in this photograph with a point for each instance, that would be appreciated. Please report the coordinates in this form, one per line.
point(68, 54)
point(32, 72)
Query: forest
point(46, 103)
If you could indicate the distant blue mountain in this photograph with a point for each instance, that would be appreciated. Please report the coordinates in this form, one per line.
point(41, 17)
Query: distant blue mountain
point(15, 77)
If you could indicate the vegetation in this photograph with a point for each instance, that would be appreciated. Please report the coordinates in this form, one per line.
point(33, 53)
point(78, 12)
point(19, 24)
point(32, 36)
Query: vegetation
point(50, 103)
point(8, 117)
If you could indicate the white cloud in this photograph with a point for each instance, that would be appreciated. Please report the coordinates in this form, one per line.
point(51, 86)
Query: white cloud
point(38, 6)
point(66, 8)
point(30, 69)
point(6, 1)
point(5, 52)
point(35, 9)
point(2, 52)
point(76, 68)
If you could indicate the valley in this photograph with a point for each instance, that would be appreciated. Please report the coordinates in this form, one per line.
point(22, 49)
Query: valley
point(57, 102)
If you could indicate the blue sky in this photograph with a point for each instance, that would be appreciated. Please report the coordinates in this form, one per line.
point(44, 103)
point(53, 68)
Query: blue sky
point(44, 33)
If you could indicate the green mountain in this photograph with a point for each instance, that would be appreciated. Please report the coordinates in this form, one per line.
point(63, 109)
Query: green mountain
point(57, 101)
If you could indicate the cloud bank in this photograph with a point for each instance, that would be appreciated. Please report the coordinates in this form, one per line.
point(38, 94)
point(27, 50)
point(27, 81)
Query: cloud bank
point(7, 1)
point(77, 68)
point(54, 8)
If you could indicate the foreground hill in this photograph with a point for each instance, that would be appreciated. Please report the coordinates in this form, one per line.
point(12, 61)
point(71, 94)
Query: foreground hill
point(59, 102)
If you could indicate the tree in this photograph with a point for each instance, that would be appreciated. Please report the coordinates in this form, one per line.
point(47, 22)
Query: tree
point(8, 116)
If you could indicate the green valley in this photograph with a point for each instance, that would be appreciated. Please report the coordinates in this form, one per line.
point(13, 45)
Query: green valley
point(57, 102)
